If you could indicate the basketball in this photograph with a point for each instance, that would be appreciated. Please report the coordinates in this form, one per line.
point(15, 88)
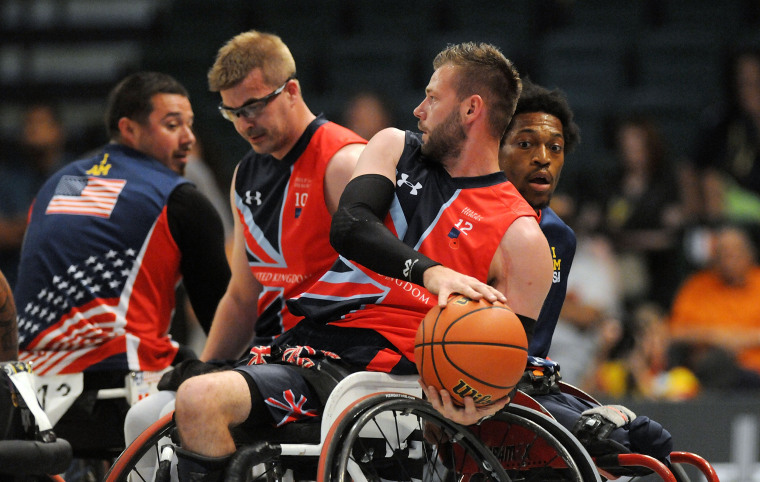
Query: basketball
point(471, 348)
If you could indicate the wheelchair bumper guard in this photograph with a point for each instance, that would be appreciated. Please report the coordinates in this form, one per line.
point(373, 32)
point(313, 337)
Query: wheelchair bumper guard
point(30, 457)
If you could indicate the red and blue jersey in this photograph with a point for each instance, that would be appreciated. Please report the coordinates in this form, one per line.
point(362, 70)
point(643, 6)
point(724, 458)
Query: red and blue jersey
point(99, 267)
point(281, 205)
point(458, 222)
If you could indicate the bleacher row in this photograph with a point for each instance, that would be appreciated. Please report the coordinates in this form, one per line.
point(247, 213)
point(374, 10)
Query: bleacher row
point(664, 57)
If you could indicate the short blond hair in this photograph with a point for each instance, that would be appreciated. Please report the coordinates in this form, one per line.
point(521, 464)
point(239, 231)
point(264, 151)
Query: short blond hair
point(248, 51)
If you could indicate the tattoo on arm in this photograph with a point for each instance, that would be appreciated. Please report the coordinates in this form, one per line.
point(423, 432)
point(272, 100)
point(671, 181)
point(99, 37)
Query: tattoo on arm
point(8, 328)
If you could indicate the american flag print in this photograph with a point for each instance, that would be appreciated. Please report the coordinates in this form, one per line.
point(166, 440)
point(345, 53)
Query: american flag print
point(76, 310)
point(87, 196)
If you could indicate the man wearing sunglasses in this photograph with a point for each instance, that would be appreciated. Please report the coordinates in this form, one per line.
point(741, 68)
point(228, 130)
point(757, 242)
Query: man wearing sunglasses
point(283, 194)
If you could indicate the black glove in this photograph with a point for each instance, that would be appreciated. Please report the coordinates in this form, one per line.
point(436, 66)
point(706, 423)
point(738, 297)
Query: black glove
point(172, 379)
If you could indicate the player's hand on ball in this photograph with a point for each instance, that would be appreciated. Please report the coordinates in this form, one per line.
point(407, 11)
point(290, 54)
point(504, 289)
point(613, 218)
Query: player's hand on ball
point(445, 282)
point(467, 415)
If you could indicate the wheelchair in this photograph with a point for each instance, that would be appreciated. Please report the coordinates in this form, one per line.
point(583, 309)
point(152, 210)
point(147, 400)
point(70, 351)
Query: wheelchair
point(375, 427)
point(29, 456)
point(29, 449)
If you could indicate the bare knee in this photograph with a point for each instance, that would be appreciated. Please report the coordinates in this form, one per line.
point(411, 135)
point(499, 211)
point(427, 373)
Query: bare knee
point(214, 399)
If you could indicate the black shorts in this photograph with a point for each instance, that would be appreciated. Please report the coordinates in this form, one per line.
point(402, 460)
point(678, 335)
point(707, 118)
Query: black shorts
point(282, 393)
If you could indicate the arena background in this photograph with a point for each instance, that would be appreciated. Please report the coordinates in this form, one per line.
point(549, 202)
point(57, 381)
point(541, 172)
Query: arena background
point(664, 58)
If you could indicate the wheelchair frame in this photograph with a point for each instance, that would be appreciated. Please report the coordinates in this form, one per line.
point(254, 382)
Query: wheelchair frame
point(362, 398)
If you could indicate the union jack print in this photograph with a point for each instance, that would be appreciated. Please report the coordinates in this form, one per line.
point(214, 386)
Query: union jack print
point(295, 410)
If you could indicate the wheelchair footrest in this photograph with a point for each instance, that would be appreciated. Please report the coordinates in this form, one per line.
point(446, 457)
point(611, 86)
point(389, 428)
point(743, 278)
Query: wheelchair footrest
point(247, 457)
point(29, 457)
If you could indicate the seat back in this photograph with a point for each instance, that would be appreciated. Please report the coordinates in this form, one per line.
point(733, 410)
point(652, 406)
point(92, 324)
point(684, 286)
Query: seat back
point(359, 384)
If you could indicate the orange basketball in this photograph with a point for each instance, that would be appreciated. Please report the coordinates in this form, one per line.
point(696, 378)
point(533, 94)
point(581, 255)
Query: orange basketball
point(471, 348)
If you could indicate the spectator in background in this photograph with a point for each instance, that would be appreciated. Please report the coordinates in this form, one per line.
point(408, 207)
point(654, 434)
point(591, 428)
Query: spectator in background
point(715, 316)
point(593, 305)
point(367, 113)
point(727, 151)
point(41, 150)
point(641, 369)
point(643, 213)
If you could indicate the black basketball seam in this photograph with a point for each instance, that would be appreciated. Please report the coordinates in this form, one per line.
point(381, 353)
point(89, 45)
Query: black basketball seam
point(454, 365)
point(430, 345)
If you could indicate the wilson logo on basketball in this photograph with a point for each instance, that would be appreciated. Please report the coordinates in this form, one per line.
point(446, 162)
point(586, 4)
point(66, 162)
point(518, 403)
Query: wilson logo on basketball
point(464, 390)
point(471, 349)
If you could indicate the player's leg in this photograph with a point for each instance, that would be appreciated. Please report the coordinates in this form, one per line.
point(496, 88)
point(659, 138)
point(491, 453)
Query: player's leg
point(206, 407)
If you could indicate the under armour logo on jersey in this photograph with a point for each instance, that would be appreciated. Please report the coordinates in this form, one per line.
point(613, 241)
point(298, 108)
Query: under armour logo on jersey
point(414, 187)
point(249, 199)
point(408, 265)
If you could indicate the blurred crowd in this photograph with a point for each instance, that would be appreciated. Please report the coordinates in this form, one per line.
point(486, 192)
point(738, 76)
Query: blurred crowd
point(663, 293)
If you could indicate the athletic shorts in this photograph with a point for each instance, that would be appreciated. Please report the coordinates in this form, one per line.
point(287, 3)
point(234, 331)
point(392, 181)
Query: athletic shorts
point(290, 393)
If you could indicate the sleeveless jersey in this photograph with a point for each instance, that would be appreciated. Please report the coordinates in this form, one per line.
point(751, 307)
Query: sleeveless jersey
point(458, 222)
point(562, 243)
point(99, 267)
point(281, 205)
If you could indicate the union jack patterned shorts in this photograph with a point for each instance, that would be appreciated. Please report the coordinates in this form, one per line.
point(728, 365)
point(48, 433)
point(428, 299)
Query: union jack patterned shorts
point(281, 379)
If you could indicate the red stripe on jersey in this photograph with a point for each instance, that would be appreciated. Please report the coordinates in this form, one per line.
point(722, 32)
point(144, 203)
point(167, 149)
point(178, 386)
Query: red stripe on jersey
point(149, 313)
point(384, 361)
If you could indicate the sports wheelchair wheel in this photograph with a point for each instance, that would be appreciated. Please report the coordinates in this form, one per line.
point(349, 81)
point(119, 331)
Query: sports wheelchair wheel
point(125, 468)
point(397, 437)
point(533, 447)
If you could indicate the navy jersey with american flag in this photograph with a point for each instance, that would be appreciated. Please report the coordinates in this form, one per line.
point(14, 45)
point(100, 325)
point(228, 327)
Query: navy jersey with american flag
point(281, 205)
point(562, 243)
point(458, 222)
point(99, 267)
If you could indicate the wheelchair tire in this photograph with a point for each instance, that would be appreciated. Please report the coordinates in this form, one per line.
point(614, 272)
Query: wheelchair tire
point(534, 447)
point(148, 441)
point(395, 437)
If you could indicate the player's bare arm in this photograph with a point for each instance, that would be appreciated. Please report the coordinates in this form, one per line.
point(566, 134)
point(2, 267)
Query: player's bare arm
point(523, 267)
point(233, 327)
point(8, 330)
point(381, 155)
point(338, 172)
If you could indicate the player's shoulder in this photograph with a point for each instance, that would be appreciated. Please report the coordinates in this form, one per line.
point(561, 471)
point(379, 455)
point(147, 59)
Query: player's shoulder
point(550, 220)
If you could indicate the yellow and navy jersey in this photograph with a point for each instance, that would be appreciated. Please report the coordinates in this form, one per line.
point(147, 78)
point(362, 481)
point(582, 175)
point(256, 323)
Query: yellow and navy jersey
point(562, 242)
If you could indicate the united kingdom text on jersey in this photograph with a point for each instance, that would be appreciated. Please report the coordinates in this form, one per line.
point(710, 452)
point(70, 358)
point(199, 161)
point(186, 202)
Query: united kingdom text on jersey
point(281, 206)
point(99, 267)
point(458, 222)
